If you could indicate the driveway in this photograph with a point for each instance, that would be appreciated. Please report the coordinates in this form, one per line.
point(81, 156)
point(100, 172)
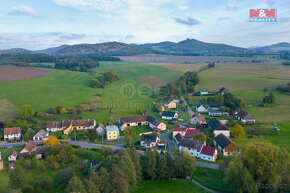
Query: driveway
point(170, 142)
point(93, 145)
point(207, 165)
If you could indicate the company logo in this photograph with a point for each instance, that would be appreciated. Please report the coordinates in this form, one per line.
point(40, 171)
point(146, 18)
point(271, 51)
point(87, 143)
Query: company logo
point(263, 15)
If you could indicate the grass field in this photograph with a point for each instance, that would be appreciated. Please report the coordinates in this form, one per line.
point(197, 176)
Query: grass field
point(244, 77)
point(168, 186)
point(212, 179)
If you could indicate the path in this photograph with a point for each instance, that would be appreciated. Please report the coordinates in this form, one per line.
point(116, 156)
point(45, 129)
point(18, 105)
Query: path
point(170, 142)
point(208, 189)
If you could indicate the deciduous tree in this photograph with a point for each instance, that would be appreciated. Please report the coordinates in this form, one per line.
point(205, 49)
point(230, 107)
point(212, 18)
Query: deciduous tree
point(52, 140)
point(238, 131)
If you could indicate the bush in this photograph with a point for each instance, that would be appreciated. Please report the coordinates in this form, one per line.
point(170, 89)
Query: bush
point(65, 175)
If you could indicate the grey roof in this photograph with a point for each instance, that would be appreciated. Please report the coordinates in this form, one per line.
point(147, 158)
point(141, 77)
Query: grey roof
point(151, 119)
point(41, 133)
point(168, 113)
point(203, 90)
point(190, 143)
point(169, 101)
point(112, 128)
point(214, 123)
point(245, 115)
point(178, 137)
point(149, 137)
point(224, 90)
point(222, 141)
point(198, 105)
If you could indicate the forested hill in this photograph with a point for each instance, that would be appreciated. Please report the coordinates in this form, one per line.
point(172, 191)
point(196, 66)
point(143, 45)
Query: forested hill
point(108, 49)
point(283, 46)
point(191, 46)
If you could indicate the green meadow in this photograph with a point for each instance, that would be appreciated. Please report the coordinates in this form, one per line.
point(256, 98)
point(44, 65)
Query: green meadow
point(168, 186)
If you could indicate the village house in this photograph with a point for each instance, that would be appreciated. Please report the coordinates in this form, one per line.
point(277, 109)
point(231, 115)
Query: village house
point(112, 132)
point(141, 120)
point(41, 135)
point(218, 127)
point(149, 140)
point(203, 91)
point(53, 126)
point(223, 91)
point(170, 104)
point(169, 115)
point(215, 113)
point(1, 163)
point(208, 153)
point(13, 156)
point(245, 117)
point(82, 124)
point(100, 128)
point(13, 133)
point(28, 149)
point(191, 132)
point(178, 129)
point(197, 118)
point(225, 145)
point(192, 146)
point(200, 108)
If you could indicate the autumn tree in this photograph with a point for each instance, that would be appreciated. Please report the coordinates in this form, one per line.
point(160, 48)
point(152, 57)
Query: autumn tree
point(200, 137)
point(52, 140)
point(258, 164)
point(26, 112)
point(62, 111)
point(238, 131)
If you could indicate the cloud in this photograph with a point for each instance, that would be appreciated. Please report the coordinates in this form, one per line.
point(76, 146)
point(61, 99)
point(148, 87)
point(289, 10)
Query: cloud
point(224, 18)
point(182, 7)
point(1, 16)
point(104, 5)
point(71, 36)
point(23, 10)
point(187, 21)
point(231, 7)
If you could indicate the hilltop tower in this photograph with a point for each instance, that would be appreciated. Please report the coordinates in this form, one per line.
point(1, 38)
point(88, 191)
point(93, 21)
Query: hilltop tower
point(1, 163)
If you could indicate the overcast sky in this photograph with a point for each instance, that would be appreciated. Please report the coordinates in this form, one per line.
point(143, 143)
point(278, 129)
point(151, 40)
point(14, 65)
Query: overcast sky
point(38, 24)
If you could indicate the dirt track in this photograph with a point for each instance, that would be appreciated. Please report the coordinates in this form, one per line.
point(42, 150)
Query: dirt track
point(10, 73)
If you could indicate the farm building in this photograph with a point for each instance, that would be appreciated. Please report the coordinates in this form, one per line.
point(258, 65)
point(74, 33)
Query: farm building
point(245, 117)
point(140, 121)
point(53, 126)
point(218, 127)
point(41, 135)
point(225, 145)
point(12, 133)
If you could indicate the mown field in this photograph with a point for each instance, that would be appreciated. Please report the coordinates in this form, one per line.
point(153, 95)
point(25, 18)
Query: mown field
point(168, 186)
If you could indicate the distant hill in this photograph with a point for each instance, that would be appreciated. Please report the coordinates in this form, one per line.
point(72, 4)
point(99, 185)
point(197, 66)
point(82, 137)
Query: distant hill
point(108, 48)
point(51, 50)
point(192, 46)
point(15, 51)
point(283, 46)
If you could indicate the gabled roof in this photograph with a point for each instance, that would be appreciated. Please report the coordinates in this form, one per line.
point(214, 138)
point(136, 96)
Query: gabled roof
point(190, 143)
point(198, 105)
point(83, 122)
point(14, 153)
point(244, 115)
point(12, 131)
point(191, 132)
point(53, 124)
point(179, 128)
point(178, 137)
point(199, 117)
point(222, 128)
point(214, 123)
point(168, 114)
point(149, 137)
point(30, 146)
point(151, 119)
point(203, 90)
point(111, 128)
point(224, 90)
point(100, 125)
point(132, 119)
point(222, 141)
point(208, 150)
point(170, 100)
point(41, 133)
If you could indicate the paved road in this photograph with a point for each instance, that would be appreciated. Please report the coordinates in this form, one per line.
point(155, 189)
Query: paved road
point(190, 111)
point(93, 145)
point(170, 142)
point(10, 145)
point(207, 165)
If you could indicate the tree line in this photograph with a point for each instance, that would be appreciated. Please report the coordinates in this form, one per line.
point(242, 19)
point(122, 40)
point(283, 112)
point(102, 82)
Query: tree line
point(184, 85)
point(105, 79)
point(69, 62)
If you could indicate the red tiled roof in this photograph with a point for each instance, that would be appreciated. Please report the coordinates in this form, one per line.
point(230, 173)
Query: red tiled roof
point(208, 150)
point(178, 128)
point(52, 124)
point(12, 131)
point(30, 146)
point(192, 132)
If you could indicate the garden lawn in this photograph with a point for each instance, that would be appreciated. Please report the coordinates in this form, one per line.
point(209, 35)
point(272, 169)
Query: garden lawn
point(212, 179)
point(168, 186)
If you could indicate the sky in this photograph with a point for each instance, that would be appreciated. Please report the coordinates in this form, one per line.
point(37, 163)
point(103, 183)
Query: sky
point(40, 24)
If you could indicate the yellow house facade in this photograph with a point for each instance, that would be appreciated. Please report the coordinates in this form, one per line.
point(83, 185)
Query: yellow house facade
point(112, 132)
point(170, 105)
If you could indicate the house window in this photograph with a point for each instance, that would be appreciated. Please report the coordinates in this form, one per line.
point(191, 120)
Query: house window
point(208, 158)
